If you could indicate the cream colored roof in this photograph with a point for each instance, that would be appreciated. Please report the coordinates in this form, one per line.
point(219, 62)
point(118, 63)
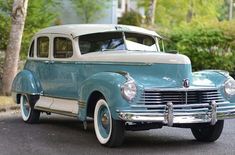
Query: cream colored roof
point(82, 29)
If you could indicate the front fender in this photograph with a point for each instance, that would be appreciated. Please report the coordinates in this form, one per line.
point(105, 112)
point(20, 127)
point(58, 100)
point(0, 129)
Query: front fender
point(212, 78)
point(25, 82)
point(107, 83)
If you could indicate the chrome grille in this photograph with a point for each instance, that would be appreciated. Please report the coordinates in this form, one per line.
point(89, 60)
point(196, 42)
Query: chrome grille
point(156, 97)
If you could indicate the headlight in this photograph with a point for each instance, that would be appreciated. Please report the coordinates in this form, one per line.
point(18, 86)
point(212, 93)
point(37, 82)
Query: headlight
point(129, 90)
point(229, 87)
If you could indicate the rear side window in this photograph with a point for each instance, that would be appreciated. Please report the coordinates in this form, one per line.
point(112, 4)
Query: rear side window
point(43, 47)
point(63, 47)
point(31, 51)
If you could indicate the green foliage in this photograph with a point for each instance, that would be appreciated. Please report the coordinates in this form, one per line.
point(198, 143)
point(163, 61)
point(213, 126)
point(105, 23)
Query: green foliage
point(5, 10)
point(131, 18)
point(40, 14)
point(89, 10)
point(175, 12)
point(208, 47)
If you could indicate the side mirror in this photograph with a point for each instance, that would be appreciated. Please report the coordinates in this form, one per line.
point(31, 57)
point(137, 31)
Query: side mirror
point(172, 51)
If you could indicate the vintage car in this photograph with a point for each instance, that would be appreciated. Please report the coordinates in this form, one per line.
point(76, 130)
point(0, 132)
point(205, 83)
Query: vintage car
point(117, 76)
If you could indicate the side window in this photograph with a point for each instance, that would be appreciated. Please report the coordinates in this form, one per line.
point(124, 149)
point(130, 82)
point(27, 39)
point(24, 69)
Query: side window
point(63, 47)
point(31, 51)
point(43, 47)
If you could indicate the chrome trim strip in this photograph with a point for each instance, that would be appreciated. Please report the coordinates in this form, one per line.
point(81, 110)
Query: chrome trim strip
point(20, 92)
point(225, 107)
point(57, 111)
point(183, 89)
point(175, 106)
point(148, 106)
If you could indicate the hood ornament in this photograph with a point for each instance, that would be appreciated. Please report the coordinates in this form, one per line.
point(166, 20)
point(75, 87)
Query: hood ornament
point(186, 83)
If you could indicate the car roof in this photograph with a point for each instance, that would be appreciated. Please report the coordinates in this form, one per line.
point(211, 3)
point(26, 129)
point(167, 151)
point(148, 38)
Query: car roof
point(82, 29)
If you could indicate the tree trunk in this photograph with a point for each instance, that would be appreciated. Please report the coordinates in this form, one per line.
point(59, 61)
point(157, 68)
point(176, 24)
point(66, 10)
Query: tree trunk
point(19, 12)
point(190, 13)
point(151, 12)
point(230, 17)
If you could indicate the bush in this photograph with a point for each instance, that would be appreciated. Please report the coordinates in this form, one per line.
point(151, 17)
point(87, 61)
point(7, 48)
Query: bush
point(207, 47)
point(131, 18)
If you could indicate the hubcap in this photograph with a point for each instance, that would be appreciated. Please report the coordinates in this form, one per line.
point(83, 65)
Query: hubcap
point(104, 121)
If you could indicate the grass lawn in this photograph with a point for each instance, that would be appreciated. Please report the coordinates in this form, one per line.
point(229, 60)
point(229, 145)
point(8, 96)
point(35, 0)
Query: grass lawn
point(6, 100)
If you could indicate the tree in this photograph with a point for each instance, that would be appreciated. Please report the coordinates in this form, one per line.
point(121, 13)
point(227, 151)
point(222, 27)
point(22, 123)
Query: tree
point(5, 11)
point(131, 18)
point(19, 12)
point(150, 9)
point(40, 14)
point(89, 10)
point(186, 11)
point(151, 12)
point(230, 9)
point(173, 13)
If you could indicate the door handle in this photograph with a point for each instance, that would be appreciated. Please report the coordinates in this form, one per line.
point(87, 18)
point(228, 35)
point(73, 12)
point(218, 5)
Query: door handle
point(49, 62)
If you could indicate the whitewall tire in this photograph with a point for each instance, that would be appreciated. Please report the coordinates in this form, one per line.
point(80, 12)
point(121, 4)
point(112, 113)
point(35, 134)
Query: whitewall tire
point(109, 132)
point(28, 114)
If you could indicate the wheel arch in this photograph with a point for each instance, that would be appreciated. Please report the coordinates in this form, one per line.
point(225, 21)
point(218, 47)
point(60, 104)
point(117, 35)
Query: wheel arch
point(92, 101)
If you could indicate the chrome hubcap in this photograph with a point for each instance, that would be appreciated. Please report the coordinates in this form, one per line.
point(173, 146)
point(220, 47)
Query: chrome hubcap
point(105, 120)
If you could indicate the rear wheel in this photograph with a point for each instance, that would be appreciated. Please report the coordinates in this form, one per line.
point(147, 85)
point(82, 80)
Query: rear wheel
point(109, 132)
point(208, 133)
point(28, 113)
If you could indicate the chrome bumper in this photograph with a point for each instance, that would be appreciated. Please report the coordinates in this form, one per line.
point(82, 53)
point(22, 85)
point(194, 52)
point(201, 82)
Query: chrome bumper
point(171, 116)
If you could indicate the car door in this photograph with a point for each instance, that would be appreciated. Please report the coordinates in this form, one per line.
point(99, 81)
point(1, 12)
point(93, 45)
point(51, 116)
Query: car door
point(43, 60)
point(63, 70)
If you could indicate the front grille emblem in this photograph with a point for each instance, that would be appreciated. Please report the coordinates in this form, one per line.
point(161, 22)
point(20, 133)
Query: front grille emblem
point(186, 83)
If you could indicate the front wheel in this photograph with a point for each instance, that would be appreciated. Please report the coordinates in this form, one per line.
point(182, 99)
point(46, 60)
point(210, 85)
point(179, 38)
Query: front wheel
point(208, 133)
point(109, 132)
point(28, 113)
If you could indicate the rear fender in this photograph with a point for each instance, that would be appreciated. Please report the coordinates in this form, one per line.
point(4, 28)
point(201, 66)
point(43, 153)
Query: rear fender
point(25, 83)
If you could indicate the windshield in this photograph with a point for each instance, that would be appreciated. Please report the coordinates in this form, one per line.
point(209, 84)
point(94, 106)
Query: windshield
point(117, 41)
point(140, 42)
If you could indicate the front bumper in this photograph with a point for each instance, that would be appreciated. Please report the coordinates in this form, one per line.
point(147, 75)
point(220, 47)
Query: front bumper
point(181, 114)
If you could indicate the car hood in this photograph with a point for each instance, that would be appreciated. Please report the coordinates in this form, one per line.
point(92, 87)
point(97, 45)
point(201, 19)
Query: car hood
point(149, 69)
point(136, 56)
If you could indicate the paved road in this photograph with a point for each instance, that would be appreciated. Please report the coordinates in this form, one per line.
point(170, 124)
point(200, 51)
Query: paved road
point(63, 135)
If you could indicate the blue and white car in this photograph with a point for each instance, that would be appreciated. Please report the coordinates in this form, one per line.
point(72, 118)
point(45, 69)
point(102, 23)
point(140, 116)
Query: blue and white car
point(117, 75)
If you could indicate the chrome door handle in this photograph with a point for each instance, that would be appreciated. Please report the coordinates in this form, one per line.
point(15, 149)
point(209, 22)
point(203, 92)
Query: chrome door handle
point(47, 61)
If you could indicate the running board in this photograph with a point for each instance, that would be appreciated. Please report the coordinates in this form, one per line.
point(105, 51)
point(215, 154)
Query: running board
point(65, 113)
point(57, 105)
